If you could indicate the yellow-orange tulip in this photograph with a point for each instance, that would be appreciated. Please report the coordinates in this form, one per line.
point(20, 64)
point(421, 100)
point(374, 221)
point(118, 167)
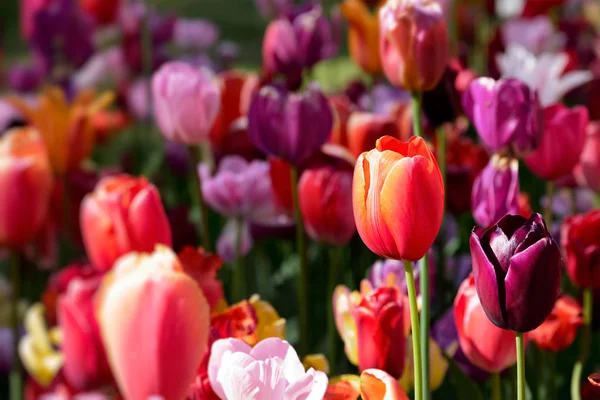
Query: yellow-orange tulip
point(363, 35)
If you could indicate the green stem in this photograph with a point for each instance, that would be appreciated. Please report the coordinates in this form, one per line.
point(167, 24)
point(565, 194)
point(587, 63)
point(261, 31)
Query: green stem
point(549, 198)
point(197, 195)
point(520, 366)
point(585, 344)
point(334, 274)
point(303, 276)
point(496, 389)
point(416, 102)
point(551, 387)
point(15, 372)
point(238, 284)
point(416, 336)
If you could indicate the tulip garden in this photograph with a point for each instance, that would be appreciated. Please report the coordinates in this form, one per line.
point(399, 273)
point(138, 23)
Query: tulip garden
point(300, 200)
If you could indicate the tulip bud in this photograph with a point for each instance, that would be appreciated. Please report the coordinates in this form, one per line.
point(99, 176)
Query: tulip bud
point(85, 365)
point(479, 339)
point(364, 129)
point(123, 214)
point(496, 191)
point(289, 125)
point(562, 142)
point(517, 269)
point(587, 172)
point(154, 322)
point(25, 186)
point(559, 330)
point(413, 43)
point(186, 102)
point(580, 237)
point(398, 198)
point(363, 35)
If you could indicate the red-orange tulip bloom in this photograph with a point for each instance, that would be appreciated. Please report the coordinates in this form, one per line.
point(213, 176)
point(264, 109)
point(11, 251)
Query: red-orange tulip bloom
point(398, 198)
point(25, 186)
point(560, 328)
point(154, 321)
point(123, 214)
point(364, 129)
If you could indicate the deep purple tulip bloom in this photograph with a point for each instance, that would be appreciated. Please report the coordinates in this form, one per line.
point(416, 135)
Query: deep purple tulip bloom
point(24, 78)
point(517, 269)
point(496, 191)
point(289, 125)
point(505, 113)
point(239, 189)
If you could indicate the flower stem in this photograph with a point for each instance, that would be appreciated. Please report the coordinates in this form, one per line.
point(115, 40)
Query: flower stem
point(335, 254)
point(197, 195)
point(496, 389)
point(520, 366)
point(303, 276)
point(416, 336)
point(239, 279)
point(15, 372)
point(585, 344)
point(549, 198)
point(417, 103)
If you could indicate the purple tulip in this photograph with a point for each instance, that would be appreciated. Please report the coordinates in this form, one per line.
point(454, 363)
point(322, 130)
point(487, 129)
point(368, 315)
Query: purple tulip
point(226, 243)
point(273, 8)
point(391, 273)
point(195, 33)
point(186, 102)
point(24, 78)
point(505, 113)
point(289, 125)
point(239, 189)
point(517, 269)
point(496, 191)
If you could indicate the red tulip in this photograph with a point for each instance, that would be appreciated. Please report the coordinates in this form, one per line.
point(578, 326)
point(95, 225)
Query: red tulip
point(154, 321)
point(580, 237)
point(364, 129)
point(231, 84)
point(560, 328)
point(398, 198)
point(123, 214)
point(25, 186)
point(282, 183)
point(588, 171)
point(342, 109)
point(485, 345)
point(86, 366)
point(203, 267)
point(103, 11)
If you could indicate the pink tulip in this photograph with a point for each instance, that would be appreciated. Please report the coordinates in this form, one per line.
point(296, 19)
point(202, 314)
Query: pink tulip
point(123, 214)
point(186, 102)
point(270, 370)
point(587, 172)
point(154, 321)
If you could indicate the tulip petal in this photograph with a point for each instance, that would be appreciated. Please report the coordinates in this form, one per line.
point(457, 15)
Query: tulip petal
point(379, 385)
point(218, 350)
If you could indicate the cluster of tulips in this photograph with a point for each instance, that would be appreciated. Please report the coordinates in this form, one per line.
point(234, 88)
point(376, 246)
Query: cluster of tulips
point(464, 152)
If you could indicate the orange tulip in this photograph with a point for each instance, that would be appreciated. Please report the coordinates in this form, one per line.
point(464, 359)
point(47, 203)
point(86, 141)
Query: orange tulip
point(363, 35)
point(25, 186)
point(379, 385)
point(67, 128)
point(154, 321)
point(560, 328)
point(398, 198)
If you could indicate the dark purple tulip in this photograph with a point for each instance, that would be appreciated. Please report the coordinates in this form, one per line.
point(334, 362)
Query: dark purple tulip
point(496, 191)
point(505, 113)
point(517, 269)
point(24, 78)
point(292, 126)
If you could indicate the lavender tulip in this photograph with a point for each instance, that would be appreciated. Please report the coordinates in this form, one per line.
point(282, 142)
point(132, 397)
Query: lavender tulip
point(226, 243)
point(270, 8)
point(505, 113)
point(517, 269)
point(391, 273)
point(239, 189)
point(186, 102)
point(289, 125)
point(195, 33)
point(496, 191)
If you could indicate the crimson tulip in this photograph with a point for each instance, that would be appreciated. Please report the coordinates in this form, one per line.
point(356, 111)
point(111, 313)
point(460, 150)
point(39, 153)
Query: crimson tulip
point(364, 129)
point(398, 198)
point(587, 172)
point(103, 11)
point(580, 237)
point(559, 330)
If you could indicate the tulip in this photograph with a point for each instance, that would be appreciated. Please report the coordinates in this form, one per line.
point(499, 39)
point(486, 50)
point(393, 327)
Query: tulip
point(270, 324)
point(559, 330)
point(316, 361)
point(186, 102)
point(438, 366)
point(195, 34)
point(537, 34)
point(587, 172)
point(398, 198)
point(442, 104)
point(239, 189)
point(344, 304)
point(25, 184)
point(235, 370)
point(85, 366)
point(505, 113)
point(379, 385)
point(155, 343)
point(380, 331)
point(496, 191)
point(123, 214)
point(562, 142)
point(227, 241)
point(203, 268)
point(517, 269)
point(364, 129)
point(288, 125)
point(103, 11)
point(363, 35)
point(269, 8)
point(66, 128)
point(342, 107)
point(280, 51)
point(580, 237)
point(485, 345)
point(238, 321)
point(413, 43)
point(231, 84)
point(326, 204)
